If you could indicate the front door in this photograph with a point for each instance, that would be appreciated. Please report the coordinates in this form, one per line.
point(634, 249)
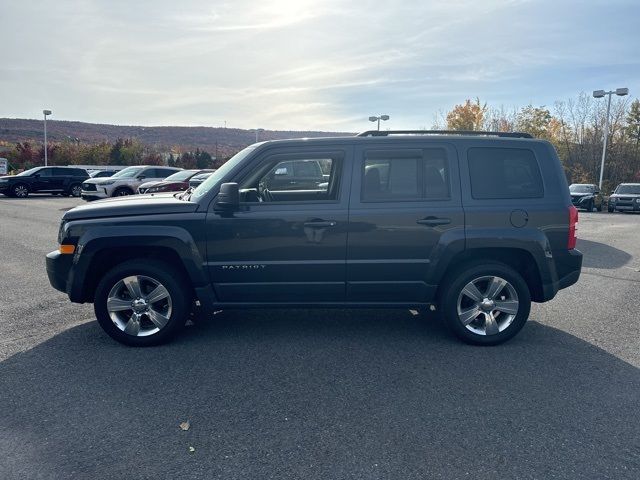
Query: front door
point(283, 246)
point(404, 200)
point(45, 181)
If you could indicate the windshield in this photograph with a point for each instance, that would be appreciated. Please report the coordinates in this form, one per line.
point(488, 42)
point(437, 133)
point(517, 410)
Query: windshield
point(127, 172)
point(582, 188)
point(220, 173)
point(26, 173)
point(628, 189)
point(181, 175)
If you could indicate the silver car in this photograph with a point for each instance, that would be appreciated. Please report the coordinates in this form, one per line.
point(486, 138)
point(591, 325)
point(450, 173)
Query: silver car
point(125, 182)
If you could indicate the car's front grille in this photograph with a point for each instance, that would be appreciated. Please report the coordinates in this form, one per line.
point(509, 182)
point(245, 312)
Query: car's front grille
point(89, 187)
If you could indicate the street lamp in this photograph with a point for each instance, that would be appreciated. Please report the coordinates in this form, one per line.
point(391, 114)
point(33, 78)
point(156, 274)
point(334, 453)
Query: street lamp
point(599, 94)
point(45, 112)
point(258, 130)
point(378, 118)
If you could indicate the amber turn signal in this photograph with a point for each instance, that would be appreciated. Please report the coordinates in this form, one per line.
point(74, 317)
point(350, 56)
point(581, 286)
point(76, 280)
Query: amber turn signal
point(67, 249)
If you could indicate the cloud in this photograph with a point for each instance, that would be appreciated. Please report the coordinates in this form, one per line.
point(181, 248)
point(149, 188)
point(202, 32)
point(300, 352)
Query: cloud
point(305, 64)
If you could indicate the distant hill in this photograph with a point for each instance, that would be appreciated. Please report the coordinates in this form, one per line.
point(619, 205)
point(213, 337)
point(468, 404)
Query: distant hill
point(205, 138)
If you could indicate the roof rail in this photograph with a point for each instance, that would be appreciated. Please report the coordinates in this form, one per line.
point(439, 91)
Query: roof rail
point(385, 133)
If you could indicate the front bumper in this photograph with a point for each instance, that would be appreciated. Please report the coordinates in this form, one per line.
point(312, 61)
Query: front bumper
point(625, 207)
point(58, 269)
point(583, 202)
point(89, 195)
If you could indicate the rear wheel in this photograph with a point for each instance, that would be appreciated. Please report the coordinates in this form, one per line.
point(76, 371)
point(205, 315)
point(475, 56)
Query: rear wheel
point(142, 303)
point(75, 190)
point(485, 303)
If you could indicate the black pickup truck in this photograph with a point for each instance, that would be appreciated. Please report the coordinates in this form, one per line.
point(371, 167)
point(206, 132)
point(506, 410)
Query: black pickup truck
point(477, 224)
point(63, 180)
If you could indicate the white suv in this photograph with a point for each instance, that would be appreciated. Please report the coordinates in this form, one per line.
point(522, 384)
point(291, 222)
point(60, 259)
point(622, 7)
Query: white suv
point(125, 182)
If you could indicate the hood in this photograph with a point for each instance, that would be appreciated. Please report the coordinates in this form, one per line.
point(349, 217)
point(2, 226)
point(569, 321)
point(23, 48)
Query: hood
point(162, 183)
point(6, 177)
point(99, 181)
point(587, 194)
point(131, 205)
point(625, 195)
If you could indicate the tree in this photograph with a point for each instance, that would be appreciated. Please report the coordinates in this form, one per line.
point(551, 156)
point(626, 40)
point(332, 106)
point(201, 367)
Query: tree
point(468, 116)
point(203, 159)
point(537, 121)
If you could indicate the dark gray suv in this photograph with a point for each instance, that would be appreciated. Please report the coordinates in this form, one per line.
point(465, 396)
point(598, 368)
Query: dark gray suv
point(477, 224)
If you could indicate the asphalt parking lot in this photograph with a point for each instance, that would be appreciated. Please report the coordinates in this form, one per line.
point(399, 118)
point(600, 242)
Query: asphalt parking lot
point(320, 394)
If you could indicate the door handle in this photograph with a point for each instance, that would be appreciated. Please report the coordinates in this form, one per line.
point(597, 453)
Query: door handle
point(320, 224)
point(434, 221)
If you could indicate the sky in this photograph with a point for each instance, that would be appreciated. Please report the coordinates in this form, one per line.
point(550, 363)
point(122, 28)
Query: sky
point(306, 64)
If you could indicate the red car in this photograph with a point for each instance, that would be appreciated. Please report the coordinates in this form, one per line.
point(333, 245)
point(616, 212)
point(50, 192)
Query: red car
point(177, 182)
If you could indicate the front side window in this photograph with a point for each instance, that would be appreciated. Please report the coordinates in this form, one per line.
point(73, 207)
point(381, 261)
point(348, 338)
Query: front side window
point(287, 179)
point(504, 173)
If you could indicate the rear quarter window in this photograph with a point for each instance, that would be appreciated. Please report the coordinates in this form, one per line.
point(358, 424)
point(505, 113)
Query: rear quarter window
point(504, 173)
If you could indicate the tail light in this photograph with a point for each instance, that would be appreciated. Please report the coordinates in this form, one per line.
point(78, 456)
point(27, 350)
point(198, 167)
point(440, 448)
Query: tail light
point(573, 225)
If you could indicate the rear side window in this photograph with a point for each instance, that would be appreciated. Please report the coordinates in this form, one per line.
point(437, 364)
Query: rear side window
point(503, 173)
point(405, 175)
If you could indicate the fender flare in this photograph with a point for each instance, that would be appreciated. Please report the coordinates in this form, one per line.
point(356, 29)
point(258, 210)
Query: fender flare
point(95, 240)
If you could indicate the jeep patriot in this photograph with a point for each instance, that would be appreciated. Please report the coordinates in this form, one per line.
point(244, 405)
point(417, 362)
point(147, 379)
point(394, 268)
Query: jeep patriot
point(475, 224)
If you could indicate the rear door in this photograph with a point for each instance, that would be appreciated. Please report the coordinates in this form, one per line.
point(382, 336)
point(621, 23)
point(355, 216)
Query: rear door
point(405, 203)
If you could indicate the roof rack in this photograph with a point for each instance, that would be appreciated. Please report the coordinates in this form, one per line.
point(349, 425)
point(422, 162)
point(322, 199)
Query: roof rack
point(385, 133)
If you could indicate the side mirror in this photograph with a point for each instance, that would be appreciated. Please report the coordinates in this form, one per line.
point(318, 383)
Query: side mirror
point(612, 192)
point(141, 177)
point(228, 197)
point(36, 175)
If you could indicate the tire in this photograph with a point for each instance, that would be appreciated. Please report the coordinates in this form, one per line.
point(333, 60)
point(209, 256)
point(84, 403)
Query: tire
point(134, 320)
point(20, 190)
point(75, 190)
point(121, 192)
point(456, 300)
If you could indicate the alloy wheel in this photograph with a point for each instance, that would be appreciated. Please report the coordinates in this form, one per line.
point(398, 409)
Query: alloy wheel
point(139, 305)
point(20, 191)
point(487, 305)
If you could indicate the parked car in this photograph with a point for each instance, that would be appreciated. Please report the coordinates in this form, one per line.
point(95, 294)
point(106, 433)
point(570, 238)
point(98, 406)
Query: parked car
point(586, 196)
point(295, 175)
point(125, 182)
point(478, 225)
point(625, 198)
point(103, 173)
point(57, 180)
point(178, 182)
point(196, 180)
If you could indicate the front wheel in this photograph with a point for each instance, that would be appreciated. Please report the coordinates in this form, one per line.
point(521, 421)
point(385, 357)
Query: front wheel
point(485, 303)
point(20, 190)
point(121, 192)
point(142, 303)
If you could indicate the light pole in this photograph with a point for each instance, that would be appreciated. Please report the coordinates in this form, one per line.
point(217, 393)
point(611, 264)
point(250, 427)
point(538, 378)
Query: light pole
point(258, 130)
point(378, 118)
point(599, 94)
point(45, 112)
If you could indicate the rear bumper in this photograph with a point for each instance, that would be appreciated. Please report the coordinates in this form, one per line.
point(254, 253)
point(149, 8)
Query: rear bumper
point(58, 269)
point(568, 264)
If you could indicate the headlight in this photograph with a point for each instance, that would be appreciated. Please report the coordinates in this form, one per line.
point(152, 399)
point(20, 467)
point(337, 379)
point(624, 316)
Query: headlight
point(111, 182)
point(612, 199)
point(637, 200)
